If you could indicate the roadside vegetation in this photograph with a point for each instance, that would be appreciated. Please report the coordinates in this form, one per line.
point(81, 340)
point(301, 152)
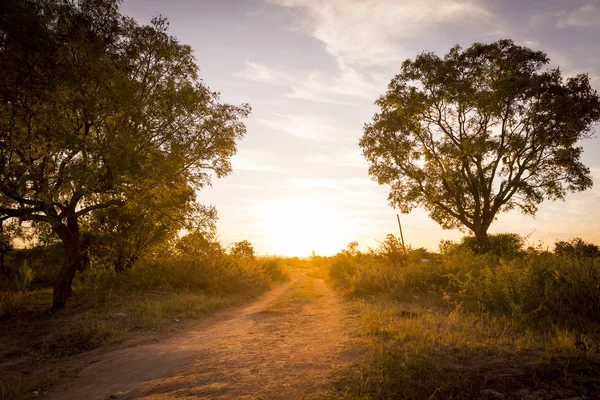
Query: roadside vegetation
point(515, 323)
point(191, 277)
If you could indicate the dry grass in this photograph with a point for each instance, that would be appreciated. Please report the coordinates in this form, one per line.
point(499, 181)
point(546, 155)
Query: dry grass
point(301, 291)
point(424, 349)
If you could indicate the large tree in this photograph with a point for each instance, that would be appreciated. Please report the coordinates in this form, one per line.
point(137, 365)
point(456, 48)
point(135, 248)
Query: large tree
point(97, 111)
point(478, 132)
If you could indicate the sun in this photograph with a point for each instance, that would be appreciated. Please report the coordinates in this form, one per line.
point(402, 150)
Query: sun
point(297, 226)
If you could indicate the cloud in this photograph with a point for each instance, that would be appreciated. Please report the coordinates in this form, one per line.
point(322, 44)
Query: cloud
point(244, 163)
point(368, 32)
point(349, 184)
point(587, 16)
point(305, 126)
point(317, 86)
point(338, 89)
point(352, 160)
point(256, 72)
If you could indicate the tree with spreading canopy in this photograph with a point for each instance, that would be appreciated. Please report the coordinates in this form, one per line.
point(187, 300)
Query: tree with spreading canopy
point(97, 111)
point(481, 131)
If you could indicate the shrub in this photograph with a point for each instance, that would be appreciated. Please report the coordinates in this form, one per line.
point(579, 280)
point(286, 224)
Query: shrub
point(393, 250)
point(505, 245)
point(24, 277)
point(274, 268)
point(576, 247)
point(537, 286)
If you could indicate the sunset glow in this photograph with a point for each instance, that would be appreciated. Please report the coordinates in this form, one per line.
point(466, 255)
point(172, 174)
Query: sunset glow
point(311, 70)
point(296, 227)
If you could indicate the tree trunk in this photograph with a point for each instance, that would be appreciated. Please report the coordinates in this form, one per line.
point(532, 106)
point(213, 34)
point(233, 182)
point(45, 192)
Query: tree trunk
point(483, 241)
point(69, 234)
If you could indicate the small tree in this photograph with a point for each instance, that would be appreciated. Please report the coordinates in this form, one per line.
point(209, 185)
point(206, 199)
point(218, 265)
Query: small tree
point(479, 132)
point(576, 247)
point(243, 249)
point(200, 246)
point(392, 249)
point(97, 111)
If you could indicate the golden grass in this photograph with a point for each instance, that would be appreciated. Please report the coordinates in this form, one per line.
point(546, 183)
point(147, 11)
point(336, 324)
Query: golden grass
point(424, 350)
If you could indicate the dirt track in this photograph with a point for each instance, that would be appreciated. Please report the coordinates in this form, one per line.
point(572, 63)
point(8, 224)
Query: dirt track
point(244, 353)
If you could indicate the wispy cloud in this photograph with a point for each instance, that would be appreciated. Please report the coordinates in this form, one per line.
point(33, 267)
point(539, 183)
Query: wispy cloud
point(340, 88)
point(587, 16)
point(348, 184)
point(350, 160)
point(367, 32)
point(305, 126)
point(257, 72)
point(246, 163)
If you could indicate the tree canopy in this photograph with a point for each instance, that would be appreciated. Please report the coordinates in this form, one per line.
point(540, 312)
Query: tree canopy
point(97, 111)
point(479, 132)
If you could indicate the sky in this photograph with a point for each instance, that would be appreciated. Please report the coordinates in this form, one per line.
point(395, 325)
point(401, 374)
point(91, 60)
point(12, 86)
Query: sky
point(312, 69)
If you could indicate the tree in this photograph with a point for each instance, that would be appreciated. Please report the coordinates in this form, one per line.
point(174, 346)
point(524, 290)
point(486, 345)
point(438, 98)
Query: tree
point(120, 236)
point(199, 246)
point(97, 111)
point(479, 132)
point(392, 249)
point(576, 247)
point(243, 249)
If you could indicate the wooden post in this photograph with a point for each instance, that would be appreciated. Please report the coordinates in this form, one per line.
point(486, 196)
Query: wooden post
point(401, 235)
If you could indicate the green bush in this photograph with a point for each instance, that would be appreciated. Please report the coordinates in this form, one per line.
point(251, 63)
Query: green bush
point(222, 276)
point(24, 277)
point(504, 245)
point(541, 286)
point(45, 261)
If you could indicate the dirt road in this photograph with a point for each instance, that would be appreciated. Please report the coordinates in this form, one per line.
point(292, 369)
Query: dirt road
point(282, 346)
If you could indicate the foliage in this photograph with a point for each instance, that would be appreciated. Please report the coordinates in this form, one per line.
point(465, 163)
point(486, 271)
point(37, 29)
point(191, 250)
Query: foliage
point(45, 261)
point(479, 132)
point(96, 112)
point(576, 247)
point(243, 249)
point(392, 249)
point(199, 245)
point(24, 277)
point(505, 245)
point(274, 268)
point(531, 286)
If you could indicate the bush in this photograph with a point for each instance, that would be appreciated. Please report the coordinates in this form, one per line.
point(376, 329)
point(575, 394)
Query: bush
point(576, 247)
point(505, 245)
point(537, 286)
point(220, 276)
point(24, 277)
point(45, 261)
point(534, 286)
point(274, 268)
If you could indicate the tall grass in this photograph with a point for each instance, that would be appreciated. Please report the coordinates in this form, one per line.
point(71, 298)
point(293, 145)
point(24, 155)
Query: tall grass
point(513, 323)
point(531, 285)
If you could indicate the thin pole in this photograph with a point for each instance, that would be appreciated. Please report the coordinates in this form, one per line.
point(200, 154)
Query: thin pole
point(401, 235)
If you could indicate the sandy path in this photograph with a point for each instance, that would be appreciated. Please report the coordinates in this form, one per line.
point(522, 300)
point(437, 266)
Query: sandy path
point(240, 354)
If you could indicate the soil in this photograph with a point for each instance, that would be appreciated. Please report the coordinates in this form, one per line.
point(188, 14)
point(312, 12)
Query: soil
point(244, 353)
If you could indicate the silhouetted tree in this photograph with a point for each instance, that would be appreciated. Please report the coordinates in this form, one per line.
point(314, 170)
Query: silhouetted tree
point(481, 131)
point(96, 110)
point(576, 247)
